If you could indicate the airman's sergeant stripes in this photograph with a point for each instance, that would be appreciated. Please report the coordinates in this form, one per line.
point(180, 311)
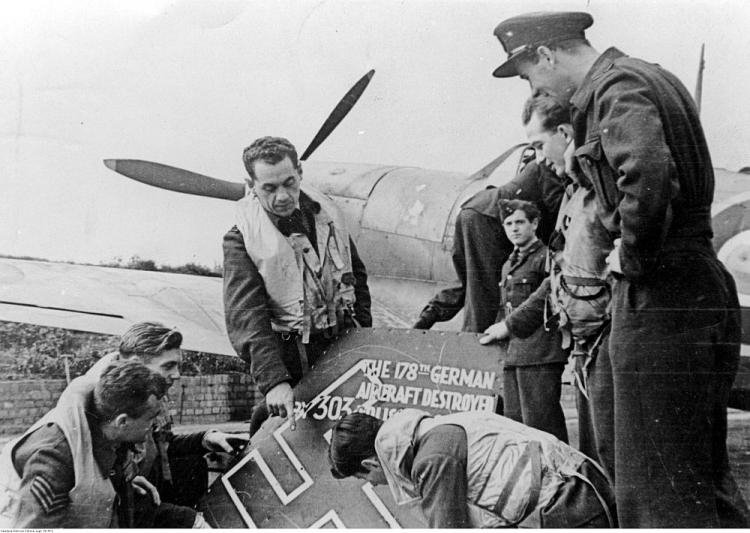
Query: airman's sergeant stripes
point(50, 502)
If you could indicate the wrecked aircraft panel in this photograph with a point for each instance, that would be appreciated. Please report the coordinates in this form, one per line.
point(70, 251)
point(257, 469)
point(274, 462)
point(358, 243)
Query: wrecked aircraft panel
point(284, 480)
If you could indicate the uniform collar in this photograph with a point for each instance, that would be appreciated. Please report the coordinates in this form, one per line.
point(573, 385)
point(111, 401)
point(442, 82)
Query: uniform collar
point(602, 64)
point(529, 247)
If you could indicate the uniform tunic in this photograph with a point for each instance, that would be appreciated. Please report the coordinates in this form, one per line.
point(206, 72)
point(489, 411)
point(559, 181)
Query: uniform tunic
point(533, 366)
point(675, 337)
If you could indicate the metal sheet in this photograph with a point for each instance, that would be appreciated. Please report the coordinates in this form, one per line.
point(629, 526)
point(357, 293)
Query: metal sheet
point(413, 202)
point(398, 256)
point(348, 180)
point(284, 479)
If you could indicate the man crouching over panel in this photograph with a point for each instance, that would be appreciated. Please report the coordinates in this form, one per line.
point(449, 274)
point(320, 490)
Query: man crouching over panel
point(474, 469)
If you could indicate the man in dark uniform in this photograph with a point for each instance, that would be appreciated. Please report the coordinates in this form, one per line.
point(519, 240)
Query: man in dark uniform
point(48, 478)
point(292, 276)
point(675, 336)
point(533, 366)
point(480, 248)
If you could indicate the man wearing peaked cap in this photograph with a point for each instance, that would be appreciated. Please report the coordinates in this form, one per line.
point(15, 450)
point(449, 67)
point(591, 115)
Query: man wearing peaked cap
point(519, 35)
point(676, 327)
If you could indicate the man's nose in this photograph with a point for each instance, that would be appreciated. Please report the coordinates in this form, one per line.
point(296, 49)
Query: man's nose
point(282, 194)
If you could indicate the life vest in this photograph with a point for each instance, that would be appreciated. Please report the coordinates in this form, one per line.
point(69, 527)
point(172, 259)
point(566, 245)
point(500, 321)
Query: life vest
point(580, 293)
point(513, 471)
point(307, 292)
point(92, 498)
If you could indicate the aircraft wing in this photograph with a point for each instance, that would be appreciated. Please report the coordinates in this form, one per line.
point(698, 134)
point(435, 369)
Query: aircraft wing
point(109, 300)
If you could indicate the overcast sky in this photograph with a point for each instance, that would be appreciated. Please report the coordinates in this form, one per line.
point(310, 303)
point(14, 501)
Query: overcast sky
point(191, 83)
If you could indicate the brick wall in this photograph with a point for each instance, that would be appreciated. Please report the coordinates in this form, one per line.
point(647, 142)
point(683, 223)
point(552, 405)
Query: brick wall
point(194, 399)
point(208, 399)
point(24, 402)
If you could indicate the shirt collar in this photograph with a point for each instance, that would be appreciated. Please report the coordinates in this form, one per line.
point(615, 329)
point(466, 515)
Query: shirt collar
point(602, 64)
point(306, 205)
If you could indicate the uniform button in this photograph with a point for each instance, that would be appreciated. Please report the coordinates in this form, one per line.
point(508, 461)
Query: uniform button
point(510, 276)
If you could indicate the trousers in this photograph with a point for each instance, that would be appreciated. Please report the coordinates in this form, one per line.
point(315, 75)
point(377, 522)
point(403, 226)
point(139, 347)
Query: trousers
point(532, 396)
point(674, 350)
point(595, 410)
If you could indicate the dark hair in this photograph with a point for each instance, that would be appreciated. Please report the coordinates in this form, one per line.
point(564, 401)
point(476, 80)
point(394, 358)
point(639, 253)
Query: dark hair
point(551, 111)
point(125, 387)
point(508, 207)
point(272, 150)
point(352, 441)
point(148, 340)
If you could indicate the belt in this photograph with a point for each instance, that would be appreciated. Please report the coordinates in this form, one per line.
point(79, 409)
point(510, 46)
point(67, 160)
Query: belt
point(292, 336)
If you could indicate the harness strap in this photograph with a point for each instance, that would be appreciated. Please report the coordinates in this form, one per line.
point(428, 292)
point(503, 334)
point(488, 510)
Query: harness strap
point(533, 454)
point(599, 497)
point(581, 375)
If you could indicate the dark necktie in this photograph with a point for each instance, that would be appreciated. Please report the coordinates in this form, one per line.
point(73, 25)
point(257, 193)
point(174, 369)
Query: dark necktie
point(515, 257)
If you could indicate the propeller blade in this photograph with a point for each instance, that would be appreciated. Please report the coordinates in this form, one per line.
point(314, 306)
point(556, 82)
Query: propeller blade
point(176, 179)
point(490, 167)
point(338, 113)
point(185, 181)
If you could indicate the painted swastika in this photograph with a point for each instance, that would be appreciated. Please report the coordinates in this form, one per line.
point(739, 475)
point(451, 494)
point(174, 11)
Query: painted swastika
point(284, 479)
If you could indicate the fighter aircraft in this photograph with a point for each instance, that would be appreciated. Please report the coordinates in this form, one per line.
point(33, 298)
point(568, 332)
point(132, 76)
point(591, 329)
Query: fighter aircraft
point(402, 219)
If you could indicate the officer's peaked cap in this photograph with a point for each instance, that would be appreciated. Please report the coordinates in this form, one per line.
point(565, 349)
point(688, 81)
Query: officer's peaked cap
point(523, 33)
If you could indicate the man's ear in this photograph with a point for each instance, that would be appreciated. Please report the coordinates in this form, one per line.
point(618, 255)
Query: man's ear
point(546, 54)
point(371, 463)
point(120, 421)
point(566, 130)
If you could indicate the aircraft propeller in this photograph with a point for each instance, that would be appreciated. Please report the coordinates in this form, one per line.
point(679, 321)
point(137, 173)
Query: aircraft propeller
point(185, 181)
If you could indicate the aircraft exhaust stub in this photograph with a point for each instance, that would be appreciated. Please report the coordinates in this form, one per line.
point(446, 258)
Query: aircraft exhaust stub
point(284, 479)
